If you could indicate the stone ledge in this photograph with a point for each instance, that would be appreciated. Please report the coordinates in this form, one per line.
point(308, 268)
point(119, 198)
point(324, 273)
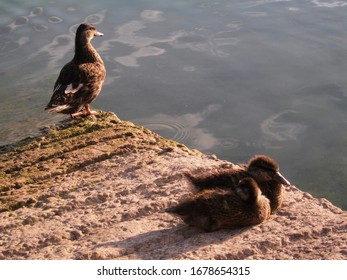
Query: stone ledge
point(96, 188)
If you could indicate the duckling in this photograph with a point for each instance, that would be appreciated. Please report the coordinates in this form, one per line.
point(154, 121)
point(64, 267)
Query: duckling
point(271, 182)
point(263, 169)
point(81, 79)
point(214, 209)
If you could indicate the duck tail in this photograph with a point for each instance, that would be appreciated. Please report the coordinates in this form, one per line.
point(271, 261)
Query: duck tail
point(176, 211)
point(56, 108)
point(170, 210)
point(190, 181)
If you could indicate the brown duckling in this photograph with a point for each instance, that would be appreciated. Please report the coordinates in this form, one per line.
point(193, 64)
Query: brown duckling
point(81, 79)
point(214, 209)
point(263, 169)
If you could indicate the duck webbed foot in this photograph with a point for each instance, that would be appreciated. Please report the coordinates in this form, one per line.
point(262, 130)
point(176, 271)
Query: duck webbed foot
point(76, 115)
point(90, 112)
point(85, 113)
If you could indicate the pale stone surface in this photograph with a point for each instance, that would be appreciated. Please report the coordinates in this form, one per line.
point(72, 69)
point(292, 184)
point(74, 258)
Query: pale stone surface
point(97, 189)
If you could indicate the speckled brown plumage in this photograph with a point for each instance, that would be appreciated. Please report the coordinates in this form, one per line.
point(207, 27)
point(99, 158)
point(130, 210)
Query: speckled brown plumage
point(80, 80)
point(214, 209)
point(263, 169)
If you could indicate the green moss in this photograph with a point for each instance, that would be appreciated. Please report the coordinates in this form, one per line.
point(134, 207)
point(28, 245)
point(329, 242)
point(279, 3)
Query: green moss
point(67, 148)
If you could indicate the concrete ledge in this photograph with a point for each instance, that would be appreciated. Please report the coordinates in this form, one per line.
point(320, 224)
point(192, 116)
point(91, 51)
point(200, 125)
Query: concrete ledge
point(96, 188)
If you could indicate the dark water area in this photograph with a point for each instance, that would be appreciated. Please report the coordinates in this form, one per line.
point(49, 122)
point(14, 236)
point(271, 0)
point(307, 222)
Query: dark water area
point(231, 78)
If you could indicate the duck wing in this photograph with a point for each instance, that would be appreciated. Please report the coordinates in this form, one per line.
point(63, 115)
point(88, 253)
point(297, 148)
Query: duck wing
point(217, 178)
point(212, 210)
point(69, 82)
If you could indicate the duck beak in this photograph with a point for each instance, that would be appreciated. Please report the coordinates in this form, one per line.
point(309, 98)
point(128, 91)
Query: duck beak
point(98, 34)
point(280, 179)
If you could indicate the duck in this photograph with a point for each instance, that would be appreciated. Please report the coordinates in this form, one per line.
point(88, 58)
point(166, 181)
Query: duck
point(215, 209)
point(263, 169)
point(80, 80)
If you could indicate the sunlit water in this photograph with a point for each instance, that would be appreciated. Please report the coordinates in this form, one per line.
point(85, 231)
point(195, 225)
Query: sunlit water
point(232, 78)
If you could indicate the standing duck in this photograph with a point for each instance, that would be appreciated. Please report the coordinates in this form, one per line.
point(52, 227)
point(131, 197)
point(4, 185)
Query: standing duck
point(214, 209)
point(263, 169)
point(81, 79)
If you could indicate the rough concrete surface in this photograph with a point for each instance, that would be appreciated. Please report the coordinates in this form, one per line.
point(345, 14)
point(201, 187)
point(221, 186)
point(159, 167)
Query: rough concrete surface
point(96, 188)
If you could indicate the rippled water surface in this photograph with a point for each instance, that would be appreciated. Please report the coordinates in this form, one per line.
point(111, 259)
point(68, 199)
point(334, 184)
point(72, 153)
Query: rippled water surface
point(233, 78)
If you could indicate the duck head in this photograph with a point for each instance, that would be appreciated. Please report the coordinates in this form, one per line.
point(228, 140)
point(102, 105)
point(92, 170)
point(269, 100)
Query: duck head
point(248, 190)
point(84, 51)
point(86, 32)
point(264, 169)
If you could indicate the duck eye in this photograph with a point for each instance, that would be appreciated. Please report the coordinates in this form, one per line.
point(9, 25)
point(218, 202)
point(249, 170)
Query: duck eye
point(271, 171)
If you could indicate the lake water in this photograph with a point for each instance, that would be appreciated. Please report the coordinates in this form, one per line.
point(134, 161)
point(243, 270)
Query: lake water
point(232, 78)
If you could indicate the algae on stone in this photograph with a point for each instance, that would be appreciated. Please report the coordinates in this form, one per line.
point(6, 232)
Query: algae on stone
point(68, 147)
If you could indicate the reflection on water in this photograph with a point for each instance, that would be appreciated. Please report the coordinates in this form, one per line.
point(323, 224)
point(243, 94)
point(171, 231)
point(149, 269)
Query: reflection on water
point(184, 128)
point(275, 128)
point(142, 46)
point(329, 4)
point(207, 44)
point(234, 78)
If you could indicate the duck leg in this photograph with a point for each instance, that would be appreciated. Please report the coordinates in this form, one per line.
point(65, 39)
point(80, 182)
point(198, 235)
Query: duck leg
point(76, 115)
point(89, 112)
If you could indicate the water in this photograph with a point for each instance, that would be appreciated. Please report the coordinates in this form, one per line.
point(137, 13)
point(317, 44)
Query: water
point(232, 78)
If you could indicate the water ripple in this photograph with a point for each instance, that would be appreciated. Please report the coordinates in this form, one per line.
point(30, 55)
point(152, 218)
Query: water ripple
point(96, 18)
point(12, 46)
point(54, 19)
point(327, 4)
point(56, 50)
point(184, 128)
point(37, 11)
point(172, 130)
point(151, 15)
point(40, 27)
point(128, 34)
point(276, 129)
point(230, 144)
point(262, 2)
point(21, 21)
point(212, 43)
point(131, 60)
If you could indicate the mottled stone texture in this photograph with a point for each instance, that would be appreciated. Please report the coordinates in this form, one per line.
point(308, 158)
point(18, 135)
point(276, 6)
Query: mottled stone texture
point(96, 188)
